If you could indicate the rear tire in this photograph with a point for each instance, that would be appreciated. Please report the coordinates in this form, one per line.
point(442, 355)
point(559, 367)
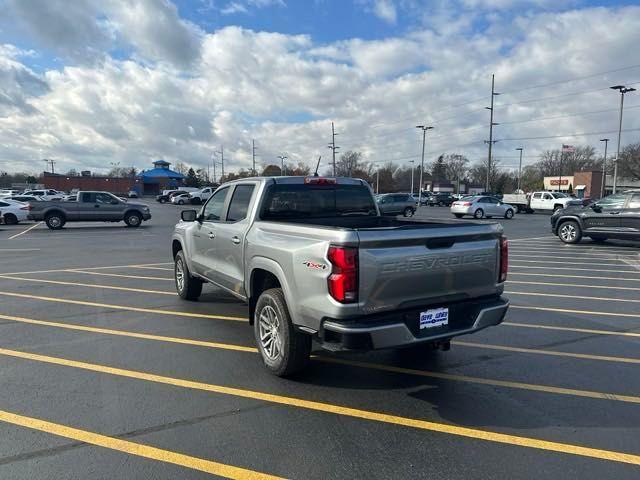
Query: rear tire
point(10, 219)
point(55, 221)
point(162, 200)
point(408, 212)
point(133, 220)
point(508, 214)
point(569, 232)
point(459, 215)
point(188, 287)
point(479, 213)
point(284, 350)
point(180, 202)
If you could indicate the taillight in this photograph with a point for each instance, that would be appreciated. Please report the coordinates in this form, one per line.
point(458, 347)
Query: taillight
point(466, 204)
point(504, 258)
point(343, 281)
point(26, 207)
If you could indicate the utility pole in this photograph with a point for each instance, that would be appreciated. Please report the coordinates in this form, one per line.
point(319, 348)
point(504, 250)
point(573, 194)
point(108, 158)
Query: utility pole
point(412, 162)
point(253, 156)
point(491, 141)
point(46, 163)
point(333, 147)
point(604, 166)
point(519, 167)
point(52, 163)
point(622, 89)
point(221, 152)
point(424, 137)
point(377, 180)
point(282, 159)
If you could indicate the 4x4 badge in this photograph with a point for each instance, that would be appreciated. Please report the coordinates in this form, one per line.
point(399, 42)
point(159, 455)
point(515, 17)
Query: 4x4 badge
point(314, 265)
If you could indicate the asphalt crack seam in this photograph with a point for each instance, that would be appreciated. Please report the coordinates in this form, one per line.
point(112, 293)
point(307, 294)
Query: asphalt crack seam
point(48, 452)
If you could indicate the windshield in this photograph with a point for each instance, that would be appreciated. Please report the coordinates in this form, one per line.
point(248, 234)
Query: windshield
point(303, 201)
point(559, 195)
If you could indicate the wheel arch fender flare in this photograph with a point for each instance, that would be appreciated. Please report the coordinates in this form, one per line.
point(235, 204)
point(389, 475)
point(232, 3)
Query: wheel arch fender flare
point(566, 218)
point(270, 266)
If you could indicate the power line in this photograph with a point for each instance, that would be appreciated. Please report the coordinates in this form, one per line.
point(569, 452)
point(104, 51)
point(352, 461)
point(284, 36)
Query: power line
point(587, 134)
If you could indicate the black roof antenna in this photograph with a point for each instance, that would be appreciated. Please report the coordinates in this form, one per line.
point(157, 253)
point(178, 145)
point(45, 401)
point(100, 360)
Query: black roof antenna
point(315, 174)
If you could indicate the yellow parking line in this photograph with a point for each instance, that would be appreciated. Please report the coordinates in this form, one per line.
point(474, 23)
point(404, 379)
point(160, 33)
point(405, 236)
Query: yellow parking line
point(88, 285)
point(585, 356)
point(379, 417)
point(567, 263)
point(581, 297)
point(573, 285)
point(132, 448)
point(25, 231)
point(569, 310)
point(367, 365)
point(572, 329)
point(84, 268)
point(578, 252)
point(118, 275)
point(125, 307)
point(623, 279)
point(572, 269)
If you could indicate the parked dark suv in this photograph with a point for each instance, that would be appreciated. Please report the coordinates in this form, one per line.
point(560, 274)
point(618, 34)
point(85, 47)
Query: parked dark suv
point(441, 199)
point(616, 216)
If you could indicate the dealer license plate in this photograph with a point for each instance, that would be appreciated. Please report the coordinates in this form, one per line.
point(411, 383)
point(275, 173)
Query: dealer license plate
point(436, 317)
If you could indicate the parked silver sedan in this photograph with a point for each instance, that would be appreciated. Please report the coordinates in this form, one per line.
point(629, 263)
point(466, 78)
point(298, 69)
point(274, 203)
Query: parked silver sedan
point(481, 206)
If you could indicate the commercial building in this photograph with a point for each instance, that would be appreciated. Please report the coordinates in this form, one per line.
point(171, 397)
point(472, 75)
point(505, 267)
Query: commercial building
point(159, 178)
point(588, 184)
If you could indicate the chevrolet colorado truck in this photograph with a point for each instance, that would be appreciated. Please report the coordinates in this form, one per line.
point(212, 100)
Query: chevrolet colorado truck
point(315, 260)
point(89, 207)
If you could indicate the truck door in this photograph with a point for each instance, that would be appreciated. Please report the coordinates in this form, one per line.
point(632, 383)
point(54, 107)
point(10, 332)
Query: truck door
point(229, 271)
point(536, 201)
point(204, 236)
point(109, 207)
point(85, 208)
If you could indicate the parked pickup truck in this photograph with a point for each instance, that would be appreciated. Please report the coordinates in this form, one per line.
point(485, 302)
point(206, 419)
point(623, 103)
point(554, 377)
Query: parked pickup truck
point(314, 259)
point(545, 201)
point(89, 207)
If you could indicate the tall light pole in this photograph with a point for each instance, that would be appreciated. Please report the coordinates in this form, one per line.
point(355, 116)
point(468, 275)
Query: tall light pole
point(491, 141)
point(333, 147)
point(604, 166)
point(282, 159)
point(622, 89)
point(412, 162)
point(519, 167)
point(253, 157)
point(424, 137)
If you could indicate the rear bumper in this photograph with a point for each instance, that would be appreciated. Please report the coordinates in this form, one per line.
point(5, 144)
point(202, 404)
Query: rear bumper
point(461, 209)
point(400, 329)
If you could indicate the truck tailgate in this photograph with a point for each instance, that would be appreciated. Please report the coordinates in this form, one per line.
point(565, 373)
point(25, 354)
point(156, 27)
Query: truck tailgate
point(430, 265)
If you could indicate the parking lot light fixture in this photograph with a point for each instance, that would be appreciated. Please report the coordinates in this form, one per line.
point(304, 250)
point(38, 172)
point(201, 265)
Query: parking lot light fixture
point(623, 90)
point(519, 167)
point(424, 136)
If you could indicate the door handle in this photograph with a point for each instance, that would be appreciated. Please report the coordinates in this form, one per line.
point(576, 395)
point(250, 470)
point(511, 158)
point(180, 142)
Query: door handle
point(235, 239)
point(212, 235)
point(614, 213)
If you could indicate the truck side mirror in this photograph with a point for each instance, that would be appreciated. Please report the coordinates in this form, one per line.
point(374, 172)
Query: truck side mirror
point(188, 215)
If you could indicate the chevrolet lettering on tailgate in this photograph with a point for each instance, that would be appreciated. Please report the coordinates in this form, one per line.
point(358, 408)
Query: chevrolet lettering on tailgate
point(425, 262)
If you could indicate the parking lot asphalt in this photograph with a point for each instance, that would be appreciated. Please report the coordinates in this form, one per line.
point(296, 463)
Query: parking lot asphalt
point(106, 373)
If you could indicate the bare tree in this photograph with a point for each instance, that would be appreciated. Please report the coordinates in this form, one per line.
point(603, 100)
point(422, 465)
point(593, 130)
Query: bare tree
point(629, 163)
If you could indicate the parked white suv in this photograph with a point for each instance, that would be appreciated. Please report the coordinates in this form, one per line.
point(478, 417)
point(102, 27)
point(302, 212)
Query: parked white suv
point(46, 195)
point(551, 201)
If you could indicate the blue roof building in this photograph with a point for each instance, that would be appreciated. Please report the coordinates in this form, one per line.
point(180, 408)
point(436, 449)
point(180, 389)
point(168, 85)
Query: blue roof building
point(160, 177)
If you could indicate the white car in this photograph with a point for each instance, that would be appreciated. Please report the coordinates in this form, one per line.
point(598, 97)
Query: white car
point(8, 192)
point(481, 206)
point(46, 195)
point(13, 212)
point(182, 199)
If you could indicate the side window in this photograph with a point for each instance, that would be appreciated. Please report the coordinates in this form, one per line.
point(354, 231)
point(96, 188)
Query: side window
point(103, 198)
point(484, 200)
point(89, 197)
point(213, 208)
point(612, 201)
point(2, 204)
point(634, 201)
point(547, 196)
point(240, 203)
point(537, 195)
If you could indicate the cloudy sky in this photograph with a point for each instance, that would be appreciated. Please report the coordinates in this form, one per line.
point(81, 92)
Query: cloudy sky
point(91, 82)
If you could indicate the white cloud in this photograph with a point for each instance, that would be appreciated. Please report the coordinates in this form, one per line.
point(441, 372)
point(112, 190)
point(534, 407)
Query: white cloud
point(385, 10)
point(245, 6)
point(284, 90)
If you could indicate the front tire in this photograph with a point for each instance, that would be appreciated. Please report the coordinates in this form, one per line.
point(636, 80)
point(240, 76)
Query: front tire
point(188, 287)
point(408, 212)
point(133, 220)
point(570, 232)
point(479, 213)
point(163, 200)
point(284, 350)
point(508, 214)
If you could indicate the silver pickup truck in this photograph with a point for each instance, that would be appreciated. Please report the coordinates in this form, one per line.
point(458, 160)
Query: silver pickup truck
point(89, 207)
point(315, 260)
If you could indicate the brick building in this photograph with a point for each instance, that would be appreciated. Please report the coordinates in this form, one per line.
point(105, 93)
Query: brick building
point(66, 183)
